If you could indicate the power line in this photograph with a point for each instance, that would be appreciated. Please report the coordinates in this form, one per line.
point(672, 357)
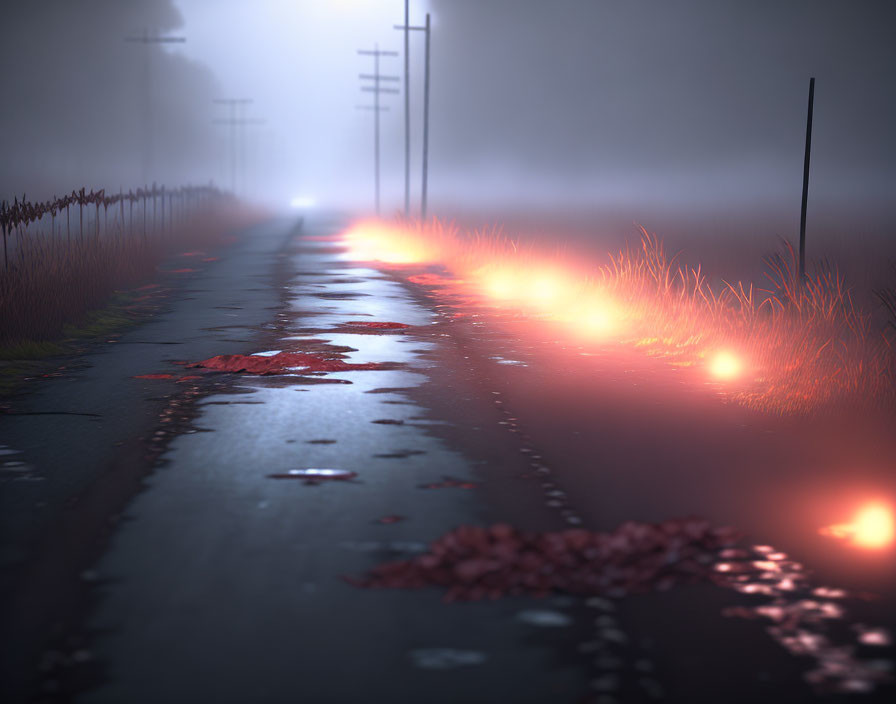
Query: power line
point(376, 89)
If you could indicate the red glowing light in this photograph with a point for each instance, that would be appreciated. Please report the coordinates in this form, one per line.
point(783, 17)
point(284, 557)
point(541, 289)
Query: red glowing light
point(872, 527)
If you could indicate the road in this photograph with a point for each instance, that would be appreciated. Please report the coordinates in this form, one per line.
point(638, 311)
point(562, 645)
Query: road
point(219, 582)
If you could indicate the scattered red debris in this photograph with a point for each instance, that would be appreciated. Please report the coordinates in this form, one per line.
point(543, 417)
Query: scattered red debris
point(379, 326)
point(388, 520)
point(450, 483)
point(180, 362)
point(475, 562)
point(181, 271)
point(154, 376)
point(280, 363)
point(315, 476)
point(190, 377)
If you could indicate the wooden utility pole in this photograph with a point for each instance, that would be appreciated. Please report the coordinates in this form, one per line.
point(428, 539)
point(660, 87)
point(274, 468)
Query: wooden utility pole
point(407, 112)
point(806, 181)
point(376, 89)
point(424, 178)
point(148, 114)
point(236, 119)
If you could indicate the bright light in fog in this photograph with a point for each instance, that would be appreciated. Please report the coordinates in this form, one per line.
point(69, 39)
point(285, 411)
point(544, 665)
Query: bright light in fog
point(302, 202)
point(872, 527)
point(725, 365)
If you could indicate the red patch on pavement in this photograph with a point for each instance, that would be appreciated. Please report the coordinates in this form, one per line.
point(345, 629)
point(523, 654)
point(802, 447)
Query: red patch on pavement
point(475, 562)
point(388, 520)
point(450, 483)
point(181, 271)
point(379, 326)
point(210, 259)
point(188, 378)
point(281, 363)
point(193, 254)
point(154, 376)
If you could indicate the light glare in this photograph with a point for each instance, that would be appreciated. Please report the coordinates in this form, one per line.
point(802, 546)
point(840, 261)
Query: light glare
point(725, 365)
point(872, 527)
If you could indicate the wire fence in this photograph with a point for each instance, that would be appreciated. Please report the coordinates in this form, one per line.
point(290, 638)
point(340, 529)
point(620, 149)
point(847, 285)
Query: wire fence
point(157, 209)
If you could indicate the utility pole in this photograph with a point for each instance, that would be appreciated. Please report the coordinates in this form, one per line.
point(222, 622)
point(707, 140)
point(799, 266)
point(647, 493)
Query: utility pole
point(376, 89)
point(236, 119)
point(424, 180)
point(806, 182)
point(407, 112)
point(148, 114)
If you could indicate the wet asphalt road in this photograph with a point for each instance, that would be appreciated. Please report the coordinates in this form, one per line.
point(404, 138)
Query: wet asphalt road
point(222, 584)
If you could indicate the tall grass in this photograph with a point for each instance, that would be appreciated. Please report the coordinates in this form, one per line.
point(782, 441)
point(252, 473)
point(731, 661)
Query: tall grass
point(805, 343)
point(802, 344)
point(53, 280)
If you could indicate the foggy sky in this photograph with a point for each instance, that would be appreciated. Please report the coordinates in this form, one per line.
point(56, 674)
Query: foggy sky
point(74, 94)
point(668, 101)
point(634, 107)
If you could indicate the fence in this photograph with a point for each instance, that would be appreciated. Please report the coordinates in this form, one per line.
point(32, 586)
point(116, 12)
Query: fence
point(16, 216)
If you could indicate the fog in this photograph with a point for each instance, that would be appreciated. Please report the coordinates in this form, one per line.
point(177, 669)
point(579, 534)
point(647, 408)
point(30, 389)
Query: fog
point(687, 114)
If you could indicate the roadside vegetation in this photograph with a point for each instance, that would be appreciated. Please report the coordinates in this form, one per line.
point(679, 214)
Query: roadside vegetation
point(780, 345)
point(59, 281)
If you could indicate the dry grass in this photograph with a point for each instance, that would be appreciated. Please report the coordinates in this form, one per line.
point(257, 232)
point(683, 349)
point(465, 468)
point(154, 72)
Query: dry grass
point(802, 345)
point(54, 281)
point(808, 344)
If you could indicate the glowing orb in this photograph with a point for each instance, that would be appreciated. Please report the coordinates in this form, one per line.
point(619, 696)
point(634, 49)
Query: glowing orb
point(501, 285)
point(594, 319)
point(372, 241)
point(545, 290)
point(598, 321)
point(872, 527)
point(725, 365)
point(302, 202)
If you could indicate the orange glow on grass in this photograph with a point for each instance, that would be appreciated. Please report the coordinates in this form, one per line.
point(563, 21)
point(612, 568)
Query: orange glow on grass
point(595, 318)
point(372, 241)
point(547, 289)
point(651, 305)
point(502, 285)
point(724, 365)
point(873, 527)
